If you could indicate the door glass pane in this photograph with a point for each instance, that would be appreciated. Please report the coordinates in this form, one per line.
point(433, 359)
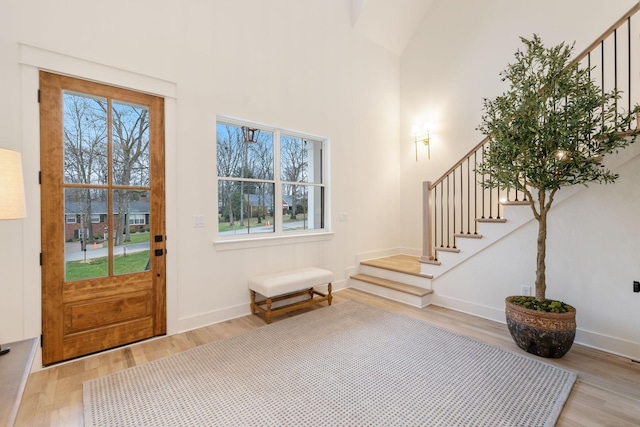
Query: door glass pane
point(130, 144)
point(86, 252)
point(131, 225)
point(85, 139)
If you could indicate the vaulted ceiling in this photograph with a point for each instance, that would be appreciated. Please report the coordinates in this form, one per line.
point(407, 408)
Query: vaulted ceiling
point(390, 23)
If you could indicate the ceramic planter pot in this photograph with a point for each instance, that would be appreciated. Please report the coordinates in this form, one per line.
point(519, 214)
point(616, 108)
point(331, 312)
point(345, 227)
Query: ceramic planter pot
point(540, 333)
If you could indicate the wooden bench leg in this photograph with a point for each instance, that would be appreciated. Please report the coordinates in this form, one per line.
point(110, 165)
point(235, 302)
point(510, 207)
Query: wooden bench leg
point(267, 315)
point(253, 302)
point(329, 296)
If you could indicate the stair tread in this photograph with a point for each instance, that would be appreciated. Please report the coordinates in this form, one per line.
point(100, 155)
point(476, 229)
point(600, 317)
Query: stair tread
point(405, 264)
point(515, 203)
point(468, 236)
point(443, 249)
point(392, 284)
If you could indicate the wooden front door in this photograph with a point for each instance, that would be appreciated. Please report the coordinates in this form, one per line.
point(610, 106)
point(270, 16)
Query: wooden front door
point(103, 217)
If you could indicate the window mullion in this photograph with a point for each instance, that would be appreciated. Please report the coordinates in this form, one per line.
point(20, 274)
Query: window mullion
point(277, 177)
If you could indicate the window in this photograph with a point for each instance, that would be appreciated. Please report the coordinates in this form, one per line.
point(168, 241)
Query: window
point(70, 219)
point(95, 219)
point(81, 233)
point(270, 181)
point(137, 219)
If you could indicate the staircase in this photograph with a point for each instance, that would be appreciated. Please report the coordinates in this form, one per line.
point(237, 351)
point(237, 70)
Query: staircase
point(397, 278)
point(457, 207)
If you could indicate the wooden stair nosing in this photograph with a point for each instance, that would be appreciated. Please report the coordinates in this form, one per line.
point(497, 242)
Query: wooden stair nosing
point(515, 203)
point(468, 236)
point(372, 263)
point(454, 250)
point(500, 220)
point(391, 284)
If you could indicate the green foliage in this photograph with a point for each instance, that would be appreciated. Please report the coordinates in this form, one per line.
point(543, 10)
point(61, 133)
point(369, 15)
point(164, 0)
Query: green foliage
point(553, 126)
point(549, 306)
point(550, 129)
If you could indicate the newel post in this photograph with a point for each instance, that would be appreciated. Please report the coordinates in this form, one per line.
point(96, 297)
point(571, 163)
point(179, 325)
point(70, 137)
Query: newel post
point(427, 240)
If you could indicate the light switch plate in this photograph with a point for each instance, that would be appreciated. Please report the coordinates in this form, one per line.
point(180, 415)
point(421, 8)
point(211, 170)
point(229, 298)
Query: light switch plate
point(199, 221)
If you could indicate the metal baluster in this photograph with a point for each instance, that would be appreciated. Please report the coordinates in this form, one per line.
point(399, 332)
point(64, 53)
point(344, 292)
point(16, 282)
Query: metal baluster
point(483, 187)
point(468, 195)
point(435, 216)
point(448, 213)
point(615, 71)
point(602, 73)
point(629, 63)
point(453, 202)
point(441, 215)
point(491, 203)
point(475, 194)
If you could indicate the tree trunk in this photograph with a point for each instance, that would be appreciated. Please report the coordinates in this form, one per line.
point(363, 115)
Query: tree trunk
point(541, 284)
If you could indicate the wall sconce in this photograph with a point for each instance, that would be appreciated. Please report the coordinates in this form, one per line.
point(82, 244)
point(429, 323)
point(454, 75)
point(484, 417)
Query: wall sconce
point(422, 137)
point(250, 134)
point(12, 204)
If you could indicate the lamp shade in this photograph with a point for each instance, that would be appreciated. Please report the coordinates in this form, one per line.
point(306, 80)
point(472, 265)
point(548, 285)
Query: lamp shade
point(12, 204)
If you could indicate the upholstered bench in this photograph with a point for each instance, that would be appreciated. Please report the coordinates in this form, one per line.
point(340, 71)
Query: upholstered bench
point(288, 284)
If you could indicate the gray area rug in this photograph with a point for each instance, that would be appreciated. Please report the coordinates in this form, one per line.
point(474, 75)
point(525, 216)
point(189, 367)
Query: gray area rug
point(345, 365)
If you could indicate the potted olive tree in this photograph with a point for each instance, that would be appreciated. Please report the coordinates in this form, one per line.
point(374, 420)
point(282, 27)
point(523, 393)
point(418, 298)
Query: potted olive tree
point(549, 130)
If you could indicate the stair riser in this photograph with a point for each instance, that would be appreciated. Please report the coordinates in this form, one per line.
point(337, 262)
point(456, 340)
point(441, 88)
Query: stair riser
point(517, 216)
point(409, 279)
point(391, 294)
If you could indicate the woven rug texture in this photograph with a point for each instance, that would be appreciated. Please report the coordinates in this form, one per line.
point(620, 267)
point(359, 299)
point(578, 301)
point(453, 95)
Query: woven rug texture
point(349, 364)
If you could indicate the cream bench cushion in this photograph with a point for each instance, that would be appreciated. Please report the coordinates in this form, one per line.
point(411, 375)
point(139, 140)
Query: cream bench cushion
point(270, 285)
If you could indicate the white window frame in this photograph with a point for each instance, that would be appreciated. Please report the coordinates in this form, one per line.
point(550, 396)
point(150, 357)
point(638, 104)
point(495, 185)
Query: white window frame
point(134, 219)
point(267, 239)
point(70, 219)
point(95, 218)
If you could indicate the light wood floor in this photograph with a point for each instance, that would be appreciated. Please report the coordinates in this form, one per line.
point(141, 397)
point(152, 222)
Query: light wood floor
point(607, 392)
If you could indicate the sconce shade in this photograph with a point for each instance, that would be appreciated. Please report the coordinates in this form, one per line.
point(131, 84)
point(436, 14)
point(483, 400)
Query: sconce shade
point(12, 203)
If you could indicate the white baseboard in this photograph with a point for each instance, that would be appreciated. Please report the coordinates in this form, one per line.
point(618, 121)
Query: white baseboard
point(227, 313)
point(608, 344)
point(205, 319)
point(589, 339)
point(468, 307)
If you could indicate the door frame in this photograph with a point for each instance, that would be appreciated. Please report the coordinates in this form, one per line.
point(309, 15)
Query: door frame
point(158, 263)
point(32, 59)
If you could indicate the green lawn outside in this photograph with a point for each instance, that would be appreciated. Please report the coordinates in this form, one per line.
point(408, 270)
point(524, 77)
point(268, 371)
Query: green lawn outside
point(138, 238)
point(135, 238)
point(99, 267)
point(224, 226)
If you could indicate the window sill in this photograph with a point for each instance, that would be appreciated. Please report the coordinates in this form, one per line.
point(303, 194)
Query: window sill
point(258, 242)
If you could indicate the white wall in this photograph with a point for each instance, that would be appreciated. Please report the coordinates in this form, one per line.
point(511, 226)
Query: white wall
point(450, 65)
point(286, 63)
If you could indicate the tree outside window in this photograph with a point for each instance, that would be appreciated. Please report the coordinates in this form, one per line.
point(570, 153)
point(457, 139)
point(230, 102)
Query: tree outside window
point(270, 185)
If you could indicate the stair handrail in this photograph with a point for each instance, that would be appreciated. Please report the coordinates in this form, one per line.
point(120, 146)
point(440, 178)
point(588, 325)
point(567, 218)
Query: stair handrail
point(430, 214)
